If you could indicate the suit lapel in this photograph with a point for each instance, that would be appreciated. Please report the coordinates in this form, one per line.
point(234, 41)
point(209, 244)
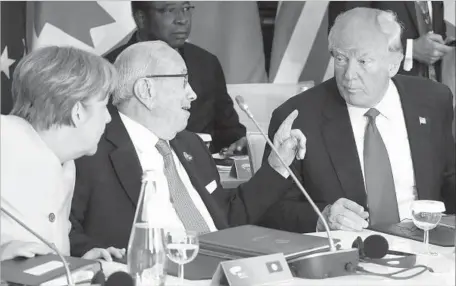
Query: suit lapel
point(124, 159)
point(418, 122)
point(340, 143)
point(411, 9)
point(180, 148)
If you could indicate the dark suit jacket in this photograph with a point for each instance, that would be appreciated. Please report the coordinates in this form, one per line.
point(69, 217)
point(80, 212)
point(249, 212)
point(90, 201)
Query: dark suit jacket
point(212, 112)
point(108, 185)
point(406, 14)
point(331, 168)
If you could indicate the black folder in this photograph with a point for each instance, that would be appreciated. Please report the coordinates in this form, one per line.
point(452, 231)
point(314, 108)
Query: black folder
point(247, 241)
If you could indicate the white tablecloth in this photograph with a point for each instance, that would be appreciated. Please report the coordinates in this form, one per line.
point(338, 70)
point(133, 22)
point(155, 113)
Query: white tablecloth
point(443, 265)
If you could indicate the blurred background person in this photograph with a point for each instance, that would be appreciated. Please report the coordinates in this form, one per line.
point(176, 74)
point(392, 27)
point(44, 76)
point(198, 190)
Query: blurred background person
point(212, 112)
point(59, 113)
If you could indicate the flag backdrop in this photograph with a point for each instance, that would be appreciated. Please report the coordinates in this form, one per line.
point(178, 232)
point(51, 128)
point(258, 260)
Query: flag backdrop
point(232, 31)
point(99, 26)
point(12, 46)
point(300, 44)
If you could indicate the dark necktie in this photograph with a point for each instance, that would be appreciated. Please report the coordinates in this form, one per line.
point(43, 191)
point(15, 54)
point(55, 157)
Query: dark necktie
point(183, 204)
point(381, 193)
point(424, 26)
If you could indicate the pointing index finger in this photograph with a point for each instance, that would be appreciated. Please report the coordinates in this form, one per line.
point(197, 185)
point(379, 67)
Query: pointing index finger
point(285, 127)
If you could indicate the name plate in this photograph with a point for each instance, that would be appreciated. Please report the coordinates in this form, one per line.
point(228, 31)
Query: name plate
point(241, 168)
point(261, 270)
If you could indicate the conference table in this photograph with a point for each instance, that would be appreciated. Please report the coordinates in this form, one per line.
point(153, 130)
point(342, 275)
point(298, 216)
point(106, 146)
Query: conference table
point(443, 265)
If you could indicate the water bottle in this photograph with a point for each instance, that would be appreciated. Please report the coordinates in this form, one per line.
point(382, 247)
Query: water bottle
point(146, 254)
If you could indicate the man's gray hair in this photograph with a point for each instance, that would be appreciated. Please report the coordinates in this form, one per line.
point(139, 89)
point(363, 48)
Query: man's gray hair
point(48, 82)
point(386, 21)
point(140, 60)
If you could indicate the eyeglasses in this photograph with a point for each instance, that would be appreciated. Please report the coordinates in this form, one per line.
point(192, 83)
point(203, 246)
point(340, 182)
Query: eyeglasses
point(184, 75)
point(174, 11)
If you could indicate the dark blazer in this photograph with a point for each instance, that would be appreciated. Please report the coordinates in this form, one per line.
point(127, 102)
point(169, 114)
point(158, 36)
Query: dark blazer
point(406, 14)
point(212, 112)
point(108, 185)
point(331, 168)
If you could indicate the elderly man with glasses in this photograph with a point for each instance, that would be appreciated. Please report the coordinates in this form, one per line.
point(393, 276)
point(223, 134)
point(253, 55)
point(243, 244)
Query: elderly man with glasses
point(212, 112)
point(147, 133)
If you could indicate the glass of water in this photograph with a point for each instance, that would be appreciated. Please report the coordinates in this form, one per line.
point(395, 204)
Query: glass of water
point(426, 215)
point(182, 246)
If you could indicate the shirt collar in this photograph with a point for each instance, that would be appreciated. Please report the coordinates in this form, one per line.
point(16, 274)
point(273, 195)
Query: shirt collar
point(143, 139)
point(387, 106)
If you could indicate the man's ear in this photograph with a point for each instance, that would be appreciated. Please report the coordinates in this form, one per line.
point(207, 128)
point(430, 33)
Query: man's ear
point(78, 114)
point(395, 64)
point(144, 91)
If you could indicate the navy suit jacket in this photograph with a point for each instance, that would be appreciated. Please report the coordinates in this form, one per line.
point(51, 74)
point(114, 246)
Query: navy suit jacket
point(212, 112)
point(331, 168)
point(406, 14)
point(108, 186)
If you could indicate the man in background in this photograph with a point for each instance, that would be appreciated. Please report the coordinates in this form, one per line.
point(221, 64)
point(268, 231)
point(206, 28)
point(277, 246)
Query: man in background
point(376, 141)
point(424, 32)
point(212, 112)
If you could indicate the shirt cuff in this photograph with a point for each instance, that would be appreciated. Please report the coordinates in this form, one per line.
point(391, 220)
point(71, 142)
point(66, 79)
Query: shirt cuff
point(408, 61)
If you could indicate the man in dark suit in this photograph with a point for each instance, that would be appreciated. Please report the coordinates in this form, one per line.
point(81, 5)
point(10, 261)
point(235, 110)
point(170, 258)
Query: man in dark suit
point(151, 110)
point(376, 141)
point(212, 112)
point(423, 37)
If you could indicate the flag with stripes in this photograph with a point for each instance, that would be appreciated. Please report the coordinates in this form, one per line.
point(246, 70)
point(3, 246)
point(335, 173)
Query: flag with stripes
point(300, 44)
point(231, 30)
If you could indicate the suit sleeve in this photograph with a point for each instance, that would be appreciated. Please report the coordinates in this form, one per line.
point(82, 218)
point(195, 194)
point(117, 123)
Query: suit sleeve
point(227, 128)
point(80, 243)
point(292, 212)
point(247, 203)
point(448, 189)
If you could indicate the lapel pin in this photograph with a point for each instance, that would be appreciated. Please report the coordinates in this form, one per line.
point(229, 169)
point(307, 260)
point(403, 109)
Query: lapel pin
point(422, 120)
point(188, 157)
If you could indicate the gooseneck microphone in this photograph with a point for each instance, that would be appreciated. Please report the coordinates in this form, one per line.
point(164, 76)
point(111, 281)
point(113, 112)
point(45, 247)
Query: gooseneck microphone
point(245, 108)
point(50, 245)
point(318, 265)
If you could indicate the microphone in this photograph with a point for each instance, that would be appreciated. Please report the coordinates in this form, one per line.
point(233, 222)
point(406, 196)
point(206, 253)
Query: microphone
point(50, 245)
point(120, 279)
point(318, 265)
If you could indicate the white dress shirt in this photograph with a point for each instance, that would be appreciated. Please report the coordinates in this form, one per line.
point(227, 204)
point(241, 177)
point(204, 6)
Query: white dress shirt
point(35, 187)
point(144, 142)
point(391, 125)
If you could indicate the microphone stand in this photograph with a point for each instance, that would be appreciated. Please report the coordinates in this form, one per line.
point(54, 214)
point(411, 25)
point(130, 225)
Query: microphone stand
point(320, 265)
point(51, 246)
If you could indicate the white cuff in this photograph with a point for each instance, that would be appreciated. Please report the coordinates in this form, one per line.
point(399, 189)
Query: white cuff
point(408, 61)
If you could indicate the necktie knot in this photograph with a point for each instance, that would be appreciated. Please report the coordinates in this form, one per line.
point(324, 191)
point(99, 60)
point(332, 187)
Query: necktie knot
point(372, 114)
point(163, 148)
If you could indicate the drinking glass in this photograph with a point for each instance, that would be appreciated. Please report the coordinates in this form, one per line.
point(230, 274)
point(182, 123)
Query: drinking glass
point(181, 248)
point(426, 214)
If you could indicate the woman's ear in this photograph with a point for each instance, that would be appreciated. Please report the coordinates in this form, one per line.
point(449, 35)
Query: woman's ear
point(78, 114)
point(144, 90)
